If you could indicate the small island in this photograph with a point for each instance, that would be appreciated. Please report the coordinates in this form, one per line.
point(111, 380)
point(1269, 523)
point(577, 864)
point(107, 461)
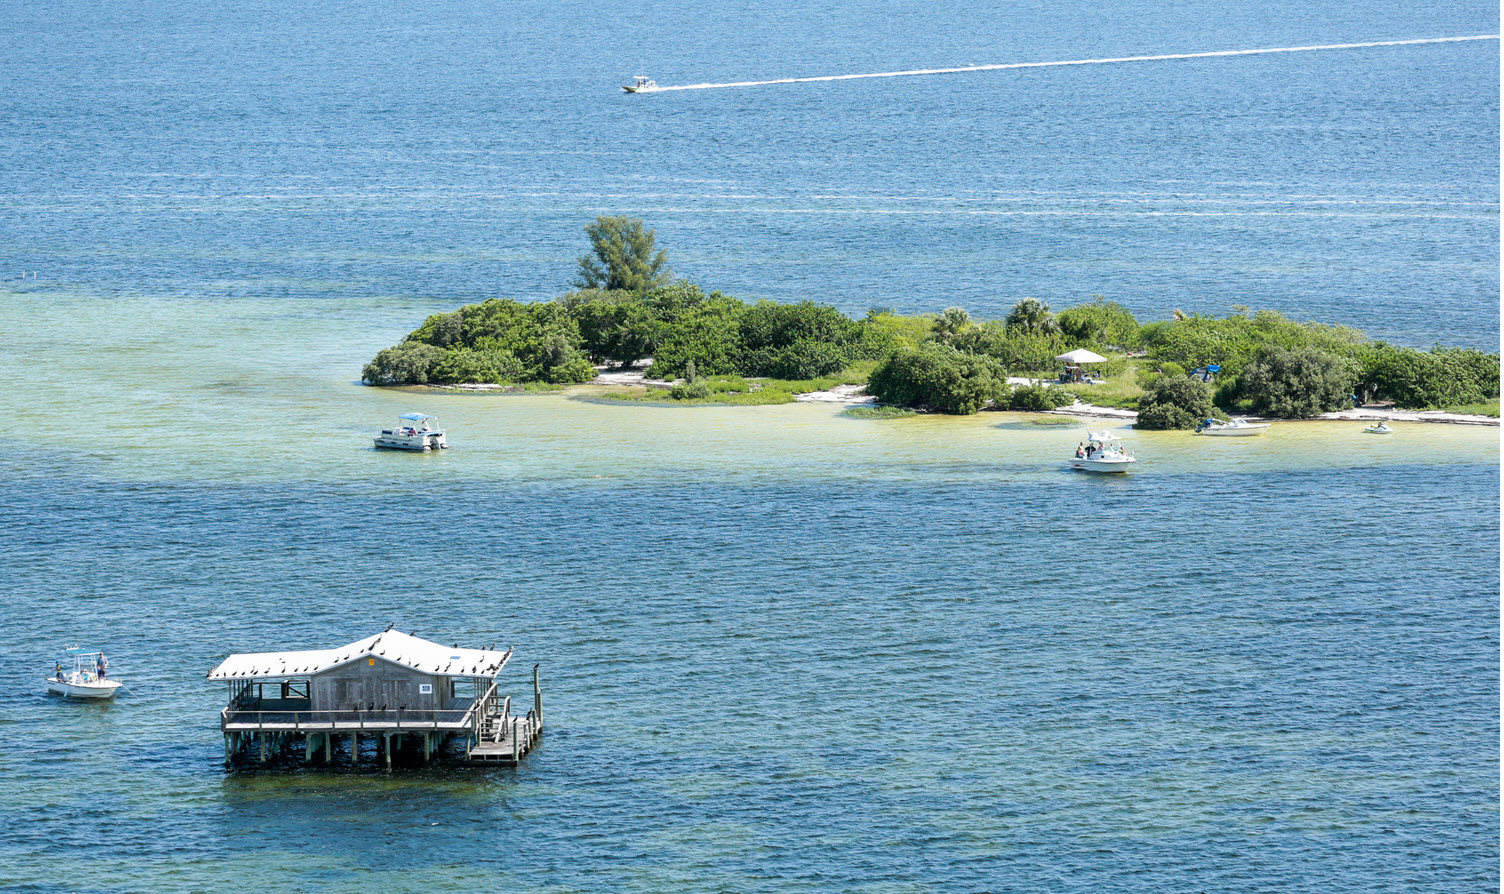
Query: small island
point(628, 311)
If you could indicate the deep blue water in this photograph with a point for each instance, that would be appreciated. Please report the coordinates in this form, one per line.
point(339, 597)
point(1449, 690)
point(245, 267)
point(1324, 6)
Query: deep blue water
point(780, 652)
point(780, 687)
point(454, 151)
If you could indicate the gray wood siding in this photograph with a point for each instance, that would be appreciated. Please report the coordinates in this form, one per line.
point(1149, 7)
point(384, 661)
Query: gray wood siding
point(376, 681)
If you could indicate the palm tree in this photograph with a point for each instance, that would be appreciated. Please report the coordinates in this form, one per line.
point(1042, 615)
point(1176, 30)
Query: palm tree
point(950, 324)
point(1033, 315)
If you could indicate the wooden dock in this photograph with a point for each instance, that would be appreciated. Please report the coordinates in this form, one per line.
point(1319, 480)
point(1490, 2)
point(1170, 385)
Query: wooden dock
point(506, 740)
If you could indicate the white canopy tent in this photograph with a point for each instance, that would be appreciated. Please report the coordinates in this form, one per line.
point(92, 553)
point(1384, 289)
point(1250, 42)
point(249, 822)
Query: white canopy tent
point(1081, 355)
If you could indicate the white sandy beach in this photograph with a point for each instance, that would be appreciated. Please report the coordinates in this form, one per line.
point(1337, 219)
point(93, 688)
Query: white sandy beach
point(857, 395)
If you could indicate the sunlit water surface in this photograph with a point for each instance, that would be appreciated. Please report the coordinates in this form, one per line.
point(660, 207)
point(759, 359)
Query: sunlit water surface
point(781, 650)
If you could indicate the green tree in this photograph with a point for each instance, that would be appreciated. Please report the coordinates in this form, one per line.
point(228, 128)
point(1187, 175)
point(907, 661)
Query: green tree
point(706, 334)
point(1299, 383)
point(1033, 315)
point(794, 341)
point(622, 257)
point(950, 323)
point(1174, 402)
point(1039, 398)
point(465, 365)
point(408, 363)
point(1430, 379)
point(616, 326)
point(1019, 350)
point(939, 377)
point(1101, 323)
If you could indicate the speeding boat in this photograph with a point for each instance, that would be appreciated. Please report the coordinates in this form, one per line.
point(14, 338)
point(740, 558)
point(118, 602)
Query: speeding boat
point(1102, 452)
point(1381, 429)
point(1232, 428)
point(642, 85)
point(81, 674)
point(414, 431)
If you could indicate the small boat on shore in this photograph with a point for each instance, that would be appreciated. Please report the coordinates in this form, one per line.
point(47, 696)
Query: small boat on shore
point(1102, 452)
point(1381, 429)
point(81, 674)
point(414, 431)
point(1232, 428)
point(641, 85)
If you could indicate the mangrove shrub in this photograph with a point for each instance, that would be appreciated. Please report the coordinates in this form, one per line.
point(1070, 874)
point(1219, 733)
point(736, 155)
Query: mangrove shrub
point(1291, 384)
point(938, 377)
point(1174, 402)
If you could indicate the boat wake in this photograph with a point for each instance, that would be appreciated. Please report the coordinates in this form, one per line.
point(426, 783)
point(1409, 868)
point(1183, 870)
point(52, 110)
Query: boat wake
point(659, 88)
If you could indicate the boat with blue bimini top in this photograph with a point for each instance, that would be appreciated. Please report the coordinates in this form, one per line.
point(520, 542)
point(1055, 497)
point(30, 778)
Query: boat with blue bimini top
point(1232, 428)
point(414, 431)
point(81, 673)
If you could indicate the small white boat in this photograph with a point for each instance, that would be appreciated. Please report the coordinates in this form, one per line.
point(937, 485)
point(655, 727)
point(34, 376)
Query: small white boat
point(1232, 428)
point(1102, 452)
point(81, 674)
point(414, 431)
point(641, 85)
point(1381, 429)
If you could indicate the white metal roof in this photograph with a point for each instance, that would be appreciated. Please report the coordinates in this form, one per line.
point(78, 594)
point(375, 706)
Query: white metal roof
point(392, 645)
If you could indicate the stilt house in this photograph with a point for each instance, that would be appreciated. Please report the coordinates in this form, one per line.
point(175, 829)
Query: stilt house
point(400, 689)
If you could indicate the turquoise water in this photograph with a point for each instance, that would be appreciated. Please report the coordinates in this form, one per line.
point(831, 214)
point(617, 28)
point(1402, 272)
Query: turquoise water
point(781, 650)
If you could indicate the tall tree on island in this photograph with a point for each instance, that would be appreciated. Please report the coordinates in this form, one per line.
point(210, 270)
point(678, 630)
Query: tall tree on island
point(623, 257)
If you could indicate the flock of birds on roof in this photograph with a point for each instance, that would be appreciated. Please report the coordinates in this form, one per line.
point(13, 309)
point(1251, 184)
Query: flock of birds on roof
point(474, 669)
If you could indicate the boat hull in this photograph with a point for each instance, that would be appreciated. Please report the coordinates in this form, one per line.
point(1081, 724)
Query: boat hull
point(416, 444)
point(1112, 466)
point(1234, 429)
point(96, 689)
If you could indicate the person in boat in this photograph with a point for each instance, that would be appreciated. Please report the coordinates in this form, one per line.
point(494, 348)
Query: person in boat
point(57, 670)
point(1080, 450)
point(99, 666)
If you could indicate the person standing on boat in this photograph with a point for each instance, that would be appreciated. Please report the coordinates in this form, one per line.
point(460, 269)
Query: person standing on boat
point(100, 664)
point(57, 671)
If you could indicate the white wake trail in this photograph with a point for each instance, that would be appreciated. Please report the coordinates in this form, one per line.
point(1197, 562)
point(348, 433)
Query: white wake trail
point(1010, 65)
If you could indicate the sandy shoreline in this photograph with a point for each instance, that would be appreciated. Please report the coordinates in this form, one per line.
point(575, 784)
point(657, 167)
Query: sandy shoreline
point(856, 395)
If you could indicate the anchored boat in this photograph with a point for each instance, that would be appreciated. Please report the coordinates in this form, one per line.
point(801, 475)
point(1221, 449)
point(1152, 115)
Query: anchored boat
point(1232, 428)
point(81, 674)
point(1102, 452)
point(414, 431)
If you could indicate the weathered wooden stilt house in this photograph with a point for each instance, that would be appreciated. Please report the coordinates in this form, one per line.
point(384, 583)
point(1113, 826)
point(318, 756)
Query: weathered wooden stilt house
point(399, 691)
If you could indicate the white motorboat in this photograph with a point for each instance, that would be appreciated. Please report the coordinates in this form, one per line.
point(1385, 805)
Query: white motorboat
point(1232, 428)
point(1381, 429)
point(641, 85)
point(1102, 452)
point(414, 431)
point(81, 674)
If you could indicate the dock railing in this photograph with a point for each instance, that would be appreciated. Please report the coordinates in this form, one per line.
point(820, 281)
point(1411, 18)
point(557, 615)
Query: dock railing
point(480, 709)
point(400, 718)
